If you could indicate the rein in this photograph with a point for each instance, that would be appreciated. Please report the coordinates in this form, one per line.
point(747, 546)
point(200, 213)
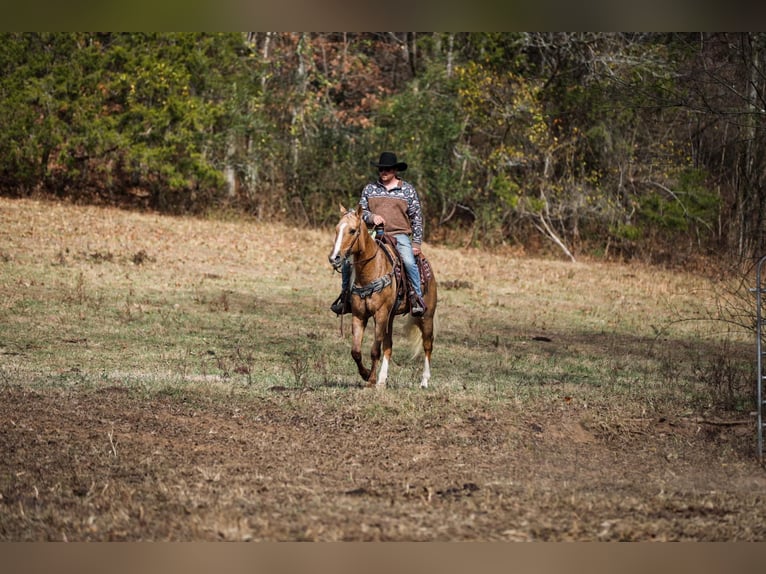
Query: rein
point(353, 243)
point(370, 258)
point(378, 284)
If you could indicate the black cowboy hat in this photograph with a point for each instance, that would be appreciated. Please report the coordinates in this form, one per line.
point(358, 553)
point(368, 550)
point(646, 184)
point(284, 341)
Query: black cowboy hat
point(388, 159)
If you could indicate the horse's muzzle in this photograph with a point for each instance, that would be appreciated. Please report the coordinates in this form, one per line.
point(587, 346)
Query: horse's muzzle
point(336, 262)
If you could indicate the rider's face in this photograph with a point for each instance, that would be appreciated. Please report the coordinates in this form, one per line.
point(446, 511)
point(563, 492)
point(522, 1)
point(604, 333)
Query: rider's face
point(386, 174)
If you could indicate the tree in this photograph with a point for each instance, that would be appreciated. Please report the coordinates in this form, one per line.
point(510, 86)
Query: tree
point(724, 88)
point(628, 143)
point(114, 113)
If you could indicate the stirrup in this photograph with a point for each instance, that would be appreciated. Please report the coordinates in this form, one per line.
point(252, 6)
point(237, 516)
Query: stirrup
point(342, 304)
point(417, 307)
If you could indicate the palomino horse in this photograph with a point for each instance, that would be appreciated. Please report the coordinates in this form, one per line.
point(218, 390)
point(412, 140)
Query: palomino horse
point(375, 293)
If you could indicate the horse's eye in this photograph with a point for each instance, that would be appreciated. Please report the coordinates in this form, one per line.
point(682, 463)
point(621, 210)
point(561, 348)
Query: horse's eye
point(352, 231)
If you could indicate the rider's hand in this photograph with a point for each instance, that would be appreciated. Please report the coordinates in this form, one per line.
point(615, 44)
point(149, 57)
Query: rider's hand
point(378, 220)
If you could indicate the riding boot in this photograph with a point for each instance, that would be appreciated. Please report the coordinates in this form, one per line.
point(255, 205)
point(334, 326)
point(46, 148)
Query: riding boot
point(417, 306)
point(342, 304)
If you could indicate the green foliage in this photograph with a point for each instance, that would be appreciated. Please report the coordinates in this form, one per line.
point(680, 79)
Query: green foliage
point(506, 190)
point(501, 51)
point(589, 130)
point(424, 124)
point(689, 204)
point(626, 231)
point(115, 112)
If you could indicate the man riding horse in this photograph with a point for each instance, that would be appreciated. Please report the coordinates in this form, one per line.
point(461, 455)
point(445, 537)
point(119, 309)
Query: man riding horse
point(392, 203)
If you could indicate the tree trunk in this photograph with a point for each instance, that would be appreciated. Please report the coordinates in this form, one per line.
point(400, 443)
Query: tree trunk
point(298, 111)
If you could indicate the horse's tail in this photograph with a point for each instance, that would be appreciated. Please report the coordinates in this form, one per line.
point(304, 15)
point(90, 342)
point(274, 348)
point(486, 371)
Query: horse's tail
point(415, 336)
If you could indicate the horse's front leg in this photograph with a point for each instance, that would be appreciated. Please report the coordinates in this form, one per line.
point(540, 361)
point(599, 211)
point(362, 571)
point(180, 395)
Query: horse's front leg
point(358, 325)
point(383, 327)
point(372, 380)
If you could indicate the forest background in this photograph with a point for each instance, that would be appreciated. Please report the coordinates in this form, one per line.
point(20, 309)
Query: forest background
point(610, 145)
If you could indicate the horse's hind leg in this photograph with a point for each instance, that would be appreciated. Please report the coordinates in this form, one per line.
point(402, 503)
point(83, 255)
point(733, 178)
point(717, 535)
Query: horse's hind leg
point(426, 371)
point(427, 331)
point(387, 347)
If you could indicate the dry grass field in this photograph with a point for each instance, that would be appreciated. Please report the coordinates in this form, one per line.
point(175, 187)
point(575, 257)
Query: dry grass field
point(183, 379)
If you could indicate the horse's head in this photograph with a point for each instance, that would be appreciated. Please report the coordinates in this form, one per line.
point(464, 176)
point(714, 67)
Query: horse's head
point(347, 233)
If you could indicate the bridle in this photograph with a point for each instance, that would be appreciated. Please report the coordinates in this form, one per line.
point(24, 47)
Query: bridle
point(353, 243)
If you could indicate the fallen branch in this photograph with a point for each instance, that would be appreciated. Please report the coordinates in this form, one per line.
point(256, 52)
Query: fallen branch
point(723, 423)
point(548, 232)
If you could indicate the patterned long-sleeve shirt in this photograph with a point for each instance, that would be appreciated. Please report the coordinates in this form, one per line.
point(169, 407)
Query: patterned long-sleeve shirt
point(400, 207)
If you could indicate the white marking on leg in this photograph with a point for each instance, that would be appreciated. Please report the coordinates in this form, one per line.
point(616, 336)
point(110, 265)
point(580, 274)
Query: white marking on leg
point(383, 373)
point(426, 374)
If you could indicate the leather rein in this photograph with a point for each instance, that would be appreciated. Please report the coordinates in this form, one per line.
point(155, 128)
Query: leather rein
point(378, 284)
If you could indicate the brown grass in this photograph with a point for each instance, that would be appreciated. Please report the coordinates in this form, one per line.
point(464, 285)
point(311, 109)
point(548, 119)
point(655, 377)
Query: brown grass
point(183, 379)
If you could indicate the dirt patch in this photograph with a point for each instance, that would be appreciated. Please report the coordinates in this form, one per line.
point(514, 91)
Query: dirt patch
point(112, 464)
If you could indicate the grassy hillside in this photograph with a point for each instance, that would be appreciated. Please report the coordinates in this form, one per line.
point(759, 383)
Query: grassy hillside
point(100, 296)
point(184, 379)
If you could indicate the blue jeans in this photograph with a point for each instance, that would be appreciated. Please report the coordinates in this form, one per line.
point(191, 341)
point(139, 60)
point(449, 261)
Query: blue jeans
point(404, 247)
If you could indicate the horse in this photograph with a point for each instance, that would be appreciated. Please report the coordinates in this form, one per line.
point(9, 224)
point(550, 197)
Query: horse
point(377, 276)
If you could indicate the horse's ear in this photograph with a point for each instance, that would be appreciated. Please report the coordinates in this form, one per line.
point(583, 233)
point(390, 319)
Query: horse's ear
point(343, 210)
point(359, 210)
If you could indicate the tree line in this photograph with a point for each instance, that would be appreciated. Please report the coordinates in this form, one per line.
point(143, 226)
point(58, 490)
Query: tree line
point(616, 144)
